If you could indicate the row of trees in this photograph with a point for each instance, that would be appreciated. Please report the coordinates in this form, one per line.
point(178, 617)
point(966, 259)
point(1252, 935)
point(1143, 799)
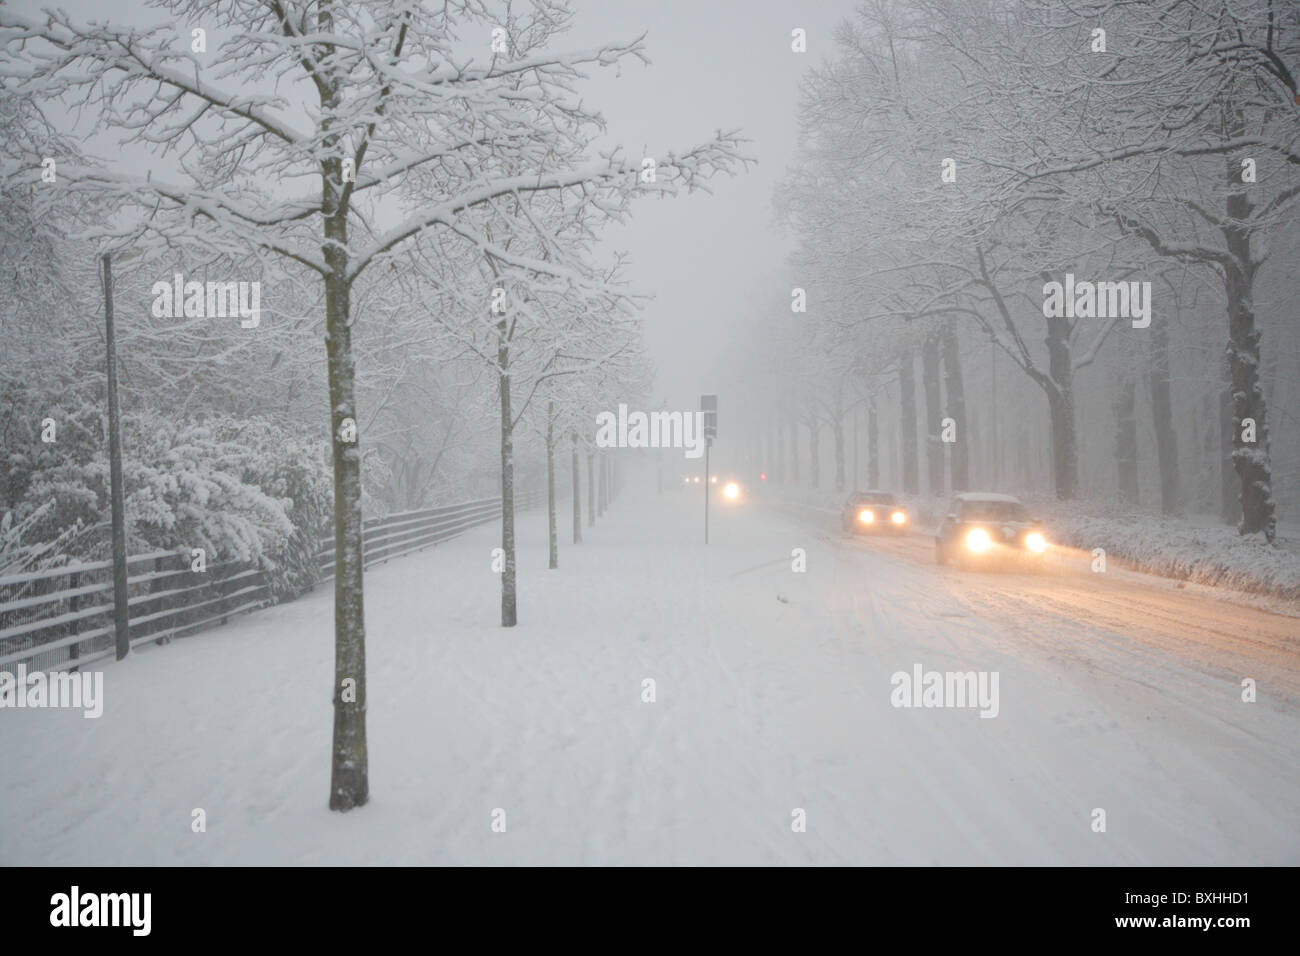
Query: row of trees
point(416, 183)
point(957, 157)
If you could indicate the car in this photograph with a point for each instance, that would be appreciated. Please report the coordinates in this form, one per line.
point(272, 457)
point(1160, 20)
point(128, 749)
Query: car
point(729, 487)
point(723, 485)
point(874, 512)
point(985, 529)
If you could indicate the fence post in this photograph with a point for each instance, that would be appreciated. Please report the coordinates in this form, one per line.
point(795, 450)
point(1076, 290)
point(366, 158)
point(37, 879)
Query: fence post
point(161, 603)
point(220, 584)
point(74, 604)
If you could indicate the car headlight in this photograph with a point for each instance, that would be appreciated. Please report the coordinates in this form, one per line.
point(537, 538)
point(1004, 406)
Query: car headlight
point(866, 516)
point(979, 541)
point(731, 490)
point(898, 517)
point(1035, 542)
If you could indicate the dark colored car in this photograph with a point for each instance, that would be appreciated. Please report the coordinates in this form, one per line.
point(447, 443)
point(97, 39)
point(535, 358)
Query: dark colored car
point(876, 512)
point(987, 529)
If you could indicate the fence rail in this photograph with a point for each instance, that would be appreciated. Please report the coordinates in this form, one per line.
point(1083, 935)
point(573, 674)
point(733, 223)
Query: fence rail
point(62, 618)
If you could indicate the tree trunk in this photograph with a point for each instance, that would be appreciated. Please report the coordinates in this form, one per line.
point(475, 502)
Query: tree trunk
point(577, 495)
point(1022, 459)
point(930, 386)
point(1250, 458)
point(838, 432)
point(857, 432)
point(1060, 400)
point(959, 461)
point(349, 771)
point(591, 488)
point(552, 530)
point(794, 451)
point(778, 474)
point(907, 422)
point(1208, 495)
point(1162, 416)
point(602, 493)
point(508, 616)
point(772, 463)
point(814, 453)
point(349, 775)
point(1126, 437)
point(1229, 501)
point(873, 447)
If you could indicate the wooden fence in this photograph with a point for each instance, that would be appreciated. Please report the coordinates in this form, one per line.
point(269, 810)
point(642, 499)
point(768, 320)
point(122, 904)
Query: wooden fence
point(62, 618)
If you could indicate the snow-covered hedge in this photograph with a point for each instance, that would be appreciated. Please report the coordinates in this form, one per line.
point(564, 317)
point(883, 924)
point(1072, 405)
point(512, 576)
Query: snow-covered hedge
point(1169, 547)
point(294, 471)
point(243, 490)
point(1178, 549)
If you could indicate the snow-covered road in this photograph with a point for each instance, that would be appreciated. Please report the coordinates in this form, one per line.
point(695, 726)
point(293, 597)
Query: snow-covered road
point(773, 693)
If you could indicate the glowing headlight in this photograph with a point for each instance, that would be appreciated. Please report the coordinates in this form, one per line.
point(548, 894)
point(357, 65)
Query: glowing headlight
point(866, 516)
point(898, 517)
point(731, 490)
point(688, 479)
point(1035, 542)
point(979, 541)
point(713, 480)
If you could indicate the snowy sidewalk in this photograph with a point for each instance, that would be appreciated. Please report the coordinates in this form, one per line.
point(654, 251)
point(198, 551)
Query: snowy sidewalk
point(772, 694)
point(544, 720)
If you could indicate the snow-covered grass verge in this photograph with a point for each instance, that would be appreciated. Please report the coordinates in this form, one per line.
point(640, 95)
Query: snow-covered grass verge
point(1173, 548)
point(1211, 555)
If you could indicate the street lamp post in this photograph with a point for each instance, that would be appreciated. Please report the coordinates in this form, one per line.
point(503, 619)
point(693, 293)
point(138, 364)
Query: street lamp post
point(121, 611)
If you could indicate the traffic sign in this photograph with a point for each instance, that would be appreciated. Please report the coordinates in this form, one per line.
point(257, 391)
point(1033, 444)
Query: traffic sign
point(709, 406)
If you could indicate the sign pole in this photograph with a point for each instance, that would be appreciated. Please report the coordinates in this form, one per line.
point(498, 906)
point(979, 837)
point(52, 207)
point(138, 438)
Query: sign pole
point(709, 417)
point(707, 445)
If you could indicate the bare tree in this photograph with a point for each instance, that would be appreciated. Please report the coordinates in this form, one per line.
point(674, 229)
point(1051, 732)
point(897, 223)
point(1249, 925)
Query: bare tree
point(394, 106)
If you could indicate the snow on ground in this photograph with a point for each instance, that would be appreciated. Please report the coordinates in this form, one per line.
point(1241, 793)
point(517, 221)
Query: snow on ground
point(773, 693)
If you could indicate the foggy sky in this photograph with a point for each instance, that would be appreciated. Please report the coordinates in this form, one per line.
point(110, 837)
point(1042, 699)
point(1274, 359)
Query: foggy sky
point(715, 64)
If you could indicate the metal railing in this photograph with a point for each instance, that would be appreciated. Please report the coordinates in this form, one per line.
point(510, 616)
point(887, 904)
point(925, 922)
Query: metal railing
point(62, 618)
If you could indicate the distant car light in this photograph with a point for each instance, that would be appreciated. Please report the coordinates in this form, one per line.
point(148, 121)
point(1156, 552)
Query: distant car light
point(898, 517)
point(731, 490)
point(1035, 542)
point(697, 479)
point(762, 476)
point(866, 516)
point(713, 480)
point(978, 541)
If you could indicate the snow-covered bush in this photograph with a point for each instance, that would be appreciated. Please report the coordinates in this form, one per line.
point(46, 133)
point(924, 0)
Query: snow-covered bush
point(295, 471)
point(186, 486)
point(19, 553)
point(46, 489)
point(1177, 549)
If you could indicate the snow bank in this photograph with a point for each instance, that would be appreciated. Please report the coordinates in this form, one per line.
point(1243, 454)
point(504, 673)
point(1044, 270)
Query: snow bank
point(1174, 548)
point(1213, 555)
